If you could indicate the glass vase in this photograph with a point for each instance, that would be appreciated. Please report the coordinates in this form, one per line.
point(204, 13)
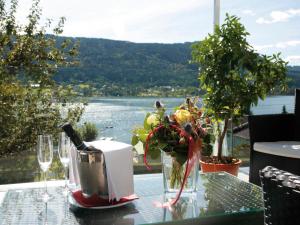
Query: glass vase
point(173, 175)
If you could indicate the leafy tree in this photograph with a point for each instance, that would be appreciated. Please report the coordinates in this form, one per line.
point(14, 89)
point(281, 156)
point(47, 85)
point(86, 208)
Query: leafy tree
point(233, 75)
point(28, 95)
point(88, 131)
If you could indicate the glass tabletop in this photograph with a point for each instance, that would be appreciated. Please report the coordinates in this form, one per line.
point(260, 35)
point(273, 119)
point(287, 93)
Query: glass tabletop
point(220, 197)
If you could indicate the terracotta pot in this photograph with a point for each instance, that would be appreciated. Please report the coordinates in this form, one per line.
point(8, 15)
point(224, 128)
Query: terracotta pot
point(232, 168)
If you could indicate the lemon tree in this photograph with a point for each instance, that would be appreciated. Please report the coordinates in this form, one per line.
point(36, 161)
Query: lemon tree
point(233, 75)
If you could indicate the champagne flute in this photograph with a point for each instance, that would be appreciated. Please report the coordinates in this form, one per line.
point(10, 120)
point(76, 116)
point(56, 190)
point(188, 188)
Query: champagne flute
point(64, 147)
point(45, 156)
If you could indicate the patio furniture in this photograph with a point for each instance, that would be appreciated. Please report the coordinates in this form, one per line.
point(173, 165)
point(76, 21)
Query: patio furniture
point(281, 196)
point(275, 141)
point(221, 199)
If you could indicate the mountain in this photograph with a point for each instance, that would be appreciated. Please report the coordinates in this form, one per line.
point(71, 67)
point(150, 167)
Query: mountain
point(123, 62)
point(127, 68)
point(294, 75)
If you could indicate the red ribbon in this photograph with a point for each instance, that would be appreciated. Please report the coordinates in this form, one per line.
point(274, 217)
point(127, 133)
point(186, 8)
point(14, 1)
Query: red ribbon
point(147, 145)
point(193, 157)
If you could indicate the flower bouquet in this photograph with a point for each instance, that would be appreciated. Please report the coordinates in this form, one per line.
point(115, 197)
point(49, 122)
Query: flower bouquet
point(178, 138)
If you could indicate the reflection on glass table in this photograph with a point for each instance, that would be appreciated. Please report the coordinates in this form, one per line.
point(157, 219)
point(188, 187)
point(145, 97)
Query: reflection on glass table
point(220, 199)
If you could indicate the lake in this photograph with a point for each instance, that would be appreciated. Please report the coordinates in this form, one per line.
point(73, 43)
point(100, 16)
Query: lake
point(116, 117)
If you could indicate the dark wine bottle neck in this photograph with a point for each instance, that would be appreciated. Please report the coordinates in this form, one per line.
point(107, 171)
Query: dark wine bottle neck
point(81, 146)
point(68, 129)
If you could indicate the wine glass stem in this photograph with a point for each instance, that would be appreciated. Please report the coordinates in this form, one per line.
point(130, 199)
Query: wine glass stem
point(46, 211)
point(45, 180)
point(66, 174)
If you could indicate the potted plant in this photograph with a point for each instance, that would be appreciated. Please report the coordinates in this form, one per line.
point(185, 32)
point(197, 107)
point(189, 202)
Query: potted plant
point(178, 139)
point(233, 76)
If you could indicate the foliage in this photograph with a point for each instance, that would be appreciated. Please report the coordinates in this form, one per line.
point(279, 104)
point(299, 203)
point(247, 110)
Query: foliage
point(30, 99)
point(88, 131)
point(120, 68)
point(124, 63)
point(207, 142)
point(26, 50)
point(233, 75)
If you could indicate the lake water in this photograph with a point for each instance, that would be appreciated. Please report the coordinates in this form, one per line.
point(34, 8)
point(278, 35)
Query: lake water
point(116, 117)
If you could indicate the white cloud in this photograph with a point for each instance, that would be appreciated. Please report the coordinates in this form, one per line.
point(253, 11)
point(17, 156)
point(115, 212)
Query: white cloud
point(286, 44)
point(282, 45)
point(279, 16)
point(262, 47)
point(134, 20)
point(293, 59)
point(248, 12)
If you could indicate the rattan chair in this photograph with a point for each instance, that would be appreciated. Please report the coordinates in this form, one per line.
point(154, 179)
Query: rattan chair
point(275, 141)
point(281, 195)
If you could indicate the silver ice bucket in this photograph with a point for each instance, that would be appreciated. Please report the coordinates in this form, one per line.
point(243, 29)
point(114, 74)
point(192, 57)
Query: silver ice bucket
point(92, 173)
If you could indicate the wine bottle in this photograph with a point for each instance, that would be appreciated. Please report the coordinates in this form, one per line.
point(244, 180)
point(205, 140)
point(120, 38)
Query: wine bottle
point(79, 144)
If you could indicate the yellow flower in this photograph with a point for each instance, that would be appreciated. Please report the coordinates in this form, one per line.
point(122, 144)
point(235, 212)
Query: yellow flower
point(153, 119)
point(182, 116)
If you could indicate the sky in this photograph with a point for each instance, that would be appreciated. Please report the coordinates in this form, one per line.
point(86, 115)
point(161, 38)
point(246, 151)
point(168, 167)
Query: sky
point(274, 25)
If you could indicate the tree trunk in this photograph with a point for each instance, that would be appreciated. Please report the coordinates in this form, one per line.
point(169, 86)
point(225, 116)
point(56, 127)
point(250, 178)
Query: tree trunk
point(221, 138)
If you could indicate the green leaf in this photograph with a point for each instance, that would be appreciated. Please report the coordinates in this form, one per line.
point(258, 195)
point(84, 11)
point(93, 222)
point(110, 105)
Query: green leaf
point(146, 125)
point(142, 135)
point(176, 108)
point(134, 140)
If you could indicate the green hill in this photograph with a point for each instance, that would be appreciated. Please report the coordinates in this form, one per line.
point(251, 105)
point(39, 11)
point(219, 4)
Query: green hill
point(294, 74)
point(111, 67)
point(121, 62)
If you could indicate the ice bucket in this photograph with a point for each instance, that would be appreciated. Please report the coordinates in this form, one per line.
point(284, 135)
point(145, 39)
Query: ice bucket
point(92, 173)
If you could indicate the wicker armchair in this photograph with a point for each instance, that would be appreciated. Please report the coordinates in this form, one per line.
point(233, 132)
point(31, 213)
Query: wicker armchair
point(275, 141)
point(281, 193)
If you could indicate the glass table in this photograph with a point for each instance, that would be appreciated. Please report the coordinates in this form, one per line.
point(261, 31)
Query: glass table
point(220, 199)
